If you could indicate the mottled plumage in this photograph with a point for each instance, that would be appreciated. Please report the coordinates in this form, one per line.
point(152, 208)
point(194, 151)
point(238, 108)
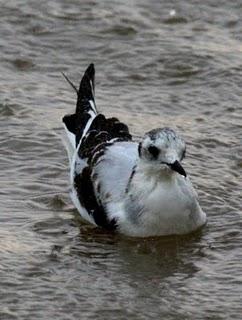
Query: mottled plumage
point(138, 189)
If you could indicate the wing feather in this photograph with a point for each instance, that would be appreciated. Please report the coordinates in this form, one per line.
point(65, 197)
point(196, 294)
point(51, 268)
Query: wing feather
point(112, 171)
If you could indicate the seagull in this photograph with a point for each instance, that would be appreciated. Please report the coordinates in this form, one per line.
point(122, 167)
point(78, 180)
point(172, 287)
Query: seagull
point(138, 189)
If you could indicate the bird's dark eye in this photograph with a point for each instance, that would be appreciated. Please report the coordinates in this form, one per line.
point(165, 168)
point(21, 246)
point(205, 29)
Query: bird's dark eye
point(154, 151)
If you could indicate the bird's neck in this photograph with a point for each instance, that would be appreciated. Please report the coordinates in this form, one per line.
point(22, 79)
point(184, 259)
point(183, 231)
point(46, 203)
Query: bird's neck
point(146, 176)
point(149, 171)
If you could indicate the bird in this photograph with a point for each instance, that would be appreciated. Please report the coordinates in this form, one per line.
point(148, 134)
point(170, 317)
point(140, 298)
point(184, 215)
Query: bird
point(135, 188)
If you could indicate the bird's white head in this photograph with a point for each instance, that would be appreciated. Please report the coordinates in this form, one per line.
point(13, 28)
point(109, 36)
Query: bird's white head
point(164, 149)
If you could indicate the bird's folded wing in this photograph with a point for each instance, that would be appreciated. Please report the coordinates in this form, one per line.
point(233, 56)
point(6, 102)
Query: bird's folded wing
point(112, 171)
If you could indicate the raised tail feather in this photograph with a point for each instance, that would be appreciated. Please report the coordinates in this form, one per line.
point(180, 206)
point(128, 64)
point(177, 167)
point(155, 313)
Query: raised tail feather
point(86, 129)
point(77, 124)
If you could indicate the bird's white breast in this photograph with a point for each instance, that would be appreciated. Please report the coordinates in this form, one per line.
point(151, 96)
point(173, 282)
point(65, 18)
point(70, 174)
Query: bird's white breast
point(167, 206)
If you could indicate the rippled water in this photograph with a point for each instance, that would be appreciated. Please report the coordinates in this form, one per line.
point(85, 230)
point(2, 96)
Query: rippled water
point(155, 67)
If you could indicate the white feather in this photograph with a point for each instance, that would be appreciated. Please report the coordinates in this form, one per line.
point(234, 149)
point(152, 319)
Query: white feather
point(69, 143)
point(114, 170)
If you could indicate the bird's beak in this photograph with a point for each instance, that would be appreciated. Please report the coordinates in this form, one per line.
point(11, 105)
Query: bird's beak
point(176, 166)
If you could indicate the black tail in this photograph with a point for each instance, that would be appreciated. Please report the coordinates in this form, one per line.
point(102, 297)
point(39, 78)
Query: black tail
point(91, 128)
point(85, 106)
point(86, 91)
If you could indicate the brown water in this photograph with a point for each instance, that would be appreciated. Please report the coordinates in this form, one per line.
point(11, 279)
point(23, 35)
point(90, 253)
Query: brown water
point(153, 69)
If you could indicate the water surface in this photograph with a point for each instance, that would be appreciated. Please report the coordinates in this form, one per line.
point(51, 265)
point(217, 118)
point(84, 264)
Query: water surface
point(158, 63)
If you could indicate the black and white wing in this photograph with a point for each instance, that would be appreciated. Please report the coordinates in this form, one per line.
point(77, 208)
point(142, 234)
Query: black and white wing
point(102, 159)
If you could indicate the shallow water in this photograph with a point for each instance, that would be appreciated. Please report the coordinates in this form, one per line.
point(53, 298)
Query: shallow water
point(154, 68)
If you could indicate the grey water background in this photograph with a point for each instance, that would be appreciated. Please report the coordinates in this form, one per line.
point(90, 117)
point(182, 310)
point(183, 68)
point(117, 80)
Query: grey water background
point(155, 67)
